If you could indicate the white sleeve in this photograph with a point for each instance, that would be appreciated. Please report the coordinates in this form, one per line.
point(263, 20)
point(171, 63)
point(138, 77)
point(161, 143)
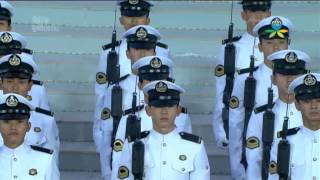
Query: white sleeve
point(53, 171)
point(202, 167)
point(124, 164)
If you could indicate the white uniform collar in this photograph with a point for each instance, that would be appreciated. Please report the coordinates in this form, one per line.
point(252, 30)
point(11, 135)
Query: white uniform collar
point(18, 150)
point(311, 133)
point(249, 37)
point(160, 136)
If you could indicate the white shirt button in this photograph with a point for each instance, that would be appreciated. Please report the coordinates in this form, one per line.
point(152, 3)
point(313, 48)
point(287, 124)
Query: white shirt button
point(15, 177)
point(314, 177)
point(164, 162)
point(15, 159)
point(315, 141)
point(164, 144)
point(315, 159)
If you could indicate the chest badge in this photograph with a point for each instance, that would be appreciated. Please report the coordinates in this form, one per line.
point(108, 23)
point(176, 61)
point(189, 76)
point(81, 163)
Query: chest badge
point(33, 172)
point(182, 157)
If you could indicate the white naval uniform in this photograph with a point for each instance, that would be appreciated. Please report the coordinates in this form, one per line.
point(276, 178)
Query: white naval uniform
point(169, 157)
point(244, 49)
point(102, 129)
point(26, 163)
point(44, 132)
point(183, 124)
point(236, 115)
point(304, 155)
point(39, 96)
point(254, 154)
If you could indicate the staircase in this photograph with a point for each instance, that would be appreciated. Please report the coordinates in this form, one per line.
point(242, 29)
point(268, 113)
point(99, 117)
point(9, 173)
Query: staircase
point(67, 37)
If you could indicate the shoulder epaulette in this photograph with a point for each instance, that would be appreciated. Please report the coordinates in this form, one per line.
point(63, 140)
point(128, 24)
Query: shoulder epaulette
point(40, 83)
point(124, 77)
point(144, 134)
point(234, 39)
point(42, 149)
point(262, 108)
point(184, 110)
point(290, 132)
point(43, 111)
point(191, 137)
point(246, 70)
point(129, 111)
point(28, 51)
point(164, 46)
point(108, 46)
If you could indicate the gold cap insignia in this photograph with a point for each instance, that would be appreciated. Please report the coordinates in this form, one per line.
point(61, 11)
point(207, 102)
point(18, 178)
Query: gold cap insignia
point(276, 23)
point(101, 78)
point(310, 80)
point(29, 97)
point(12, 101)
point(182, 157)
point(161, 87)
point(33, 172)
point(252, 142)
point(105, 114)
point(123, 172)
point(141, 33)
point(291, 57)
point(273, 167)
point(234, 102)
point(133, 2)
point(219, 70)
point(14, 60)
point(6, 38)
point(117, 145)
point(155, 63)
point(37, 129)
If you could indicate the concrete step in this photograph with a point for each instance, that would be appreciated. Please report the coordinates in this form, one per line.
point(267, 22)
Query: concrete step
point(87, 14)
point(81, 156)
point(71, 123)
point(83, 175)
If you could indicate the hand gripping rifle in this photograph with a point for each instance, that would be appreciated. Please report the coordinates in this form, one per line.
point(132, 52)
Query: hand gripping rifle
point(267, 135)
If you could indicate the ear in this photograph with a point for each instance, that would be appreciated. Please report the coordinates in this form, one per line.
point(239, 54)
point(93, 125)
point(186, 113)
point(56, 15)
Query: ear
point(260, 46)
point(297, 104)
point(30, 85)
point(148, 21)
point(29, 126)
point(140, 85)
point(179, 109)
point(128, 55)
point(10, 28)
point(244, 16)
point(121, 20)
point(148, 110)
point(273, 78)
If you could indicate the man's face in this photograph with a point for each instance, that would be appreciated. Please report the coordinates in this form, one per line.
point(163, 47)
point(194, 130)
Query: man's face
point(129, 22)
point(16, 85)
point(163, 118)
point(14, 131)
point(252, 18)
point(310, 110)
point(4, 25)
point(135, 54)
point(269, 46)
point(283, 82)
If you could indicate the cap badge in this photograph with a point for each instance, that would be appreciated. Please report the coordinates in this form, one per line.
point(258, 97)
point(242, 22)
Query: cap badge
point(133, 2)
point(155, 63)
point(6, 38)
point(33, 172)
point(276, 25)
point(14, 60)
point(141, 33)
point(161, 87)
point(310, 80)
point(12, 101)
point(291, 57)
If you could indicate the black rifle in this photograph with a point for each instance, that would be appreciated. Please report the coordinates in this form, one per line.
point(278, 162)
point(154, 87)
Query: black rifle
point(249, 100)
point(283, 156)
point(267, 135)
point(113, 75)
point(229, 68)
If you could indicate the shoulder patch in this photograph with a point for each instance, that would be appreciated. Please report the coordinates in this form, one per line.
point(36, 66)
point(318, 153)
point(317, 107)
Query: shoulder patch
point(108, 46)
point(101, 78)
point(234, 102)
point(124, 77)
point(105, 114)
point(41, 149)
point(219, 70)
point(144, 134)
point(44, 111)
point(252, 142)
point(184, 110)
point(123, 172)
point(234, 39)
point(36, 82)
point(129, 111)
point(28, 51)
point(262, 108)
point(118, 145)
point(191, 137)
point(29, 97)
point(273, 167)
point(164, 46)
point(290, 132)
